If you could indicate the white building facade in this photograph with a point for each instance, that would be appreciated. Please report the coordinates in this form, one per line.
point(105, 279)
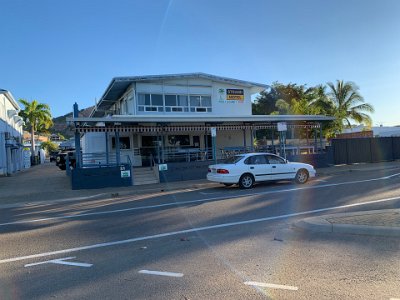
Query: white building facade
point(11, 131)
point(170, 118)
point(179, 122)
point(180, 102)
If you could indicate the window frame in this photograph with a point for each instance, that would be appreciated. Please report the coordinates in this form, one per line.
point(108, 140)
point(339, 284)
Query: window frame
point(177, 108)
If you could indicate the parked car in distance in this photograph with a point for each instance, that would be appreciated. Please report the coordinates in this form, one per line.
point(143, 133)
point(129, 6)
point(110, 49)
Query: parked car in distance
point(247, 169)
point(53, 155)
point(61, 159)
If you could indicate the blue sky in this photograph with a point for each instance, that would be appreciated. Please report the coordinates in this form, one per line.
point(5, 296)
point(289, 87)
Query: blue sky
point(59, 52)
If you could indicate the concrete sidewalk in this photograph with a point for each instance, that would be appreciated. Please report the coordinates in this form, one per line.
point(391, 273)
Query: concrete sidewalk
point(46, 183)
point(384, 222)
point(362, 167)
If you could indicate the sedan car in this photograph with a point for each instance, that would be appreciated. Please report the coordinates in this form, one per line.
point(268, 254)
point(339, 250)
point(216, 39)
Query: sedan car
point(247, 169)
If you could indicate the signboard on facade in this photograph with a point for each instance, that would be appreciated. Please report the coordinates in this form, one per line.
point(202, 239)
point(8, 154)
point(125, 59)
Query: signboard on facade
point(235, 94)
point(231, 95)
point(213, 131)
point(125, 174)
point(163, 167)
point(282, 126)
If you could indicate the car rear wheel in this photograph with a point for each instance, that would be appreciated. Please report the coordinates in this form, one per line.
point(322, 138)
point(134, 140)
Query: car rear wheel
point(246, 181)
point(302, 176)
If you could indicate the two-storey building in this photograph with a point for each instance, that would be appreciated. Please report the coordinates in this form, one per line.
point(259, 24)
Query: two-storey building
point(180, 118)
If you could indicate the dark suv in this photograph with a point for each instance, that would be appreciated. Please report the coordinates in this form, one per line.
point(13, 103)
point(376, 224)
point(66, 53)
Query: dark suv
point(61, 161)
point(53, 155)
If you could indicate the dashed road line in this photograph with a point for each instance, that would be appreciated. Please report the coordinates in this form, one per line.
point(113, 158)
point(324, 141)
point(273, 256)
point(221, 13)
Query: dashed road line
point(272, 285)
point(169, 274)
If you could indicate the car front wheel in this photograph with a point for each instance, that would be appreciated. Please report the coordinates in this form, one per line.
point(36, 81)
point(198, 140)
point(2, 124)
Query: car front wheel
point(301, 176)
point(246, 181)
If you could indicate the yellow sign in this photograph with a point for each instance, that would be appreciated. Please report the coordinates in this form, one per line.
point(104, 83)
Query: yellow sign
point(234, 94)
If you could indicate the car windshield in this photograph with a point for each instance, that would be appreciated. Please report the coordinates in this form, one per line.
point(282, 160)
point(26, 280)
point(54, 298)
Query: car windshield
point(233, 159)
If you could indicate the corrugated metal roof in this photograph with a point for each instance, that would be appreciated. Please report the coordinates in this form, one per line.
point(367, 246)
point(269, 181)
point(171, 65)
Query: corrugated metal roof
point(203, 119)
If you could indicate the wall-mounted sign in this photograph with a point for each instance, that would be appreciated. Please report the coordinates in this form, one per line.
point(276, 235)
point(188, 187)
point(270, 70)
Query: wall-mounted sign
point(125, 174)
point(282, 126)
point(235, 94)
point(213, 131)
point(230, 95)
point(163, 167)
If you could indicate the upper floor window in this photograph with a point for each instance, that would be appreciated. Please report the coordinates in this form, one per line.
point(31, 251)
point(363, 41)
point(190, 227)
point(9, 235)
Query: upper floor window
point(200, 103)
point(150, 102)
point(172, 103)
point(176, 103)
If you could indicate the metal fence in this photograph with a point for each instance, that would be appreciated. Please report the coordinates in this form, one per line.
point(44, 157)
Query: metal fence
point(363, 150)
point(90, 160)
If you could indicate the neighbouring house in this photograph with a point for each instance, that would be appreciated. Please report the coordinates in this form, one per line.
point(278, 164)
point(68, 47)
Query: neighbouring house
point(11, 130)
point(38, 138)
point(386, 131)
point(375, 131)
point(181, 122)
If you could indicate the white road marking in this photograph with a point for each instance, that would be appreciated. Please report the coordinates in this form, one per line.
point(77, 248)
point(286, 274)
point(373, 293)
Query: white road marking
point(194, 201)
point(61, 261)
point(272, 285)
point(212, 193)
point(223, 225)
point(170, 274)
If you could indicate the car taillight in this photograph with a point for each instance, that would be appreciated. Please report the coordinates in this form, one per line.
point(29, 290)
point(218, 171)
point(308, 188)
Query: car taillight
point(222, 171)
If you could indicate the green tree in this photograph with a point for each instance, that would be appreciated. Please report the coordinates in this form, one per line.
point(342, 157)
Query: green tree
point(49, 146)
point(266, 103)
point(345, 103)
point(37, 116)
point(291, 99)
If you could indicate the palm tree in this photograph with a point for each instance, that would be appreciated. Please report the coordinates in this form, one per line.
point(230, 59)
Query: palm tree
point(347, 104)
point(37, 116)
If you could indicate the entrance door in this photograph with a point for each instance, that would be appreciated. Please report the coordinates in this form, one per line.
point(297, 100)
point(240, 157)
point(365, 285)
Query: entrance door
point(208, 146)
point(149, 149)
point(196, 141)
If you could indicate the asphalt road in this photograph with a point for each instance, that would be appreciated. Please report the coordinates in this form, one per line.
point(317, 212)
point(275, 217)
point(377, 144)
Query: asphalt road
point(209, 243)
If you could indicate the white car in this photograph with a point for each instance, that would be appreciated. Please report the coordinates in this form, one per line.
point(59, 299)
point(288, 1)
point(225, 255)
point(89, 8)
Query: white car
point(246, 169)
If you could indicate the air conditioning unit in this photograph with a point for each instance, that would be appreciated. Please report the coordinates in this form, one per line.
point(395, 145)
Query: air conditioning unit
point(11, 113)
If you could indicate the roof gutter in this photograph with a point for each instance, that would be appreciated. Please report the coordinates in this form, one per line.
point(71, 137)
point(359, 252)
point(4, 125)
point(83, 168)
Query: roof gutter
point(102, 97)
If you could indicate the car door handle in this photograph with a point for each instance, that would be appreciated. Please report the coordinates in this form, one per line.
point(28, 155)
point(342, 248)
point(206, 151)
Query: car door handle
point(251, 168)
point(273, 167)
